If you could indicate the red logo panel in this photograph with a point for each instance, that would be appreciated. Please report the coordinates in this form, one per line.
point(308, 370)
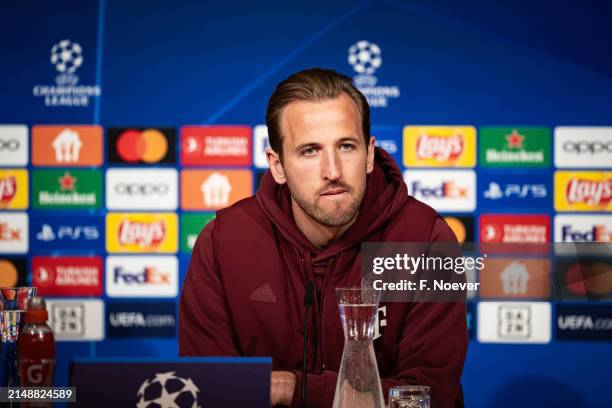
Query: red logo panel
point(216, 145)
point(515, 233)
point(67, 276)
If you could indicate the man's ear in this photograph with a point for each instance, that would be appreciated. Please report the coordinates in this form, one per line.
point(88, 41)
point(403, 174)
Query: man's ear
point(370, 158)
point(276, 167)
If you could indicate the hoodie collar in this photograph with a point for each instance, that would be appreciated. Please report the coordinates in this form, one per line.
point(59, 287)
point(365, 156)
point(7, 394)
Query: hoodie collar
point(385, 195)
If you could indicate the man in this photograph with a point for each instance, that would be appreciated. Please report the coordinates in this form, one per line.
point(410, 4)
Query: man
point(328, 189)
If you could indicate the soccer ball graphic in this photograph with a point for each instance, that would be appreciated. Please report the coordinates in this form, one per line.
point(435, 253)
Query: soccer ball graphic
point(365, 57)
point(66, 56)
point(167, 390)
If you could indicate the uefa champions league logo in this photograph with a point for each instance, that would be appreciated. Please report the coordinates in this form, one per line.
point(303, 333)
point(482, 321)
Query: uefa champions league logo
point(167, 390)
point(365, 57)
point(66, 57)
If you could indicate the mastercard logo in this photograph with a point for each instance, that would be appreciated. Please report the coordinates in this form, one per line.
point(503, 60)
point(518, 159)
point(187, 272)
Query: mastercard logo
point(145, 146)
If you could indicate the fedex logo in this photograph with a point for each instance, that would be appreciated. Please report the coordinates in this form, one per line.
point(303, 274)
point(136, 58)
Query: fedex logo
point(444, 190)
point(148, 275)
point(142, 276)
point(447, 189)
point(583, 228)
point(599, 233)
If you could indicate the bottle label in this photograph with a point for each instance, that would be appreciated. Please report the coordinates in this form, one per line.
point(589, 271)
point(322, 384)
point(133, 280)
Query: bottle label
point(36, 372)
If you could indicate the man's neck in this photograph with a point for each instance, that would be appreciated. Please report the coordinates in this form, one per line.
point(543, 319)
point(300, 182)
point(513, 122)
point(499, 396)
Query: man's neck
point(319, 235)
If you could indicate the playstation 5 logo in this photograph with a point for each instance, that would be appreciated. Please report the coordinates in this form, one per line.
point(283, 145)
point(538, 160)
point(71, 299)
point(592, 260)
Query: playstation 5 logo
point(494, 192)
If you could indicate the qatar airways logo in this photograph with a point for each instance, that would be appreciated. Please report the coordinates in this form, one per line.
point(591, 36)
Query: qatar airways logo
point(143, 234)
point(594, 193)
point(440, 148)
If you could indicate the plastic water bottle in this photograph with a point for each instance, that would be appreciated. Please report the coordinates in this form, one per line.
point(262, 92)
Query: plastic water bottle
point(36, 348)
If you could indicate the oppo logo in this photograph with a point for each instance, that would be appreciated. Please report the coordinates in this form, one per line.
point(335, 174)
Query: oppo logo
point(144, 189)
point(10, 145)
point(591, 147)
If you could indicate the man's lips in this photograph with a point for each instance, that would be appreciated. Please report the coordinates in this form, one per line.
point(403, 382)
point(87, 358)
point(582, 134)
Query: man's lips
point(334, 191)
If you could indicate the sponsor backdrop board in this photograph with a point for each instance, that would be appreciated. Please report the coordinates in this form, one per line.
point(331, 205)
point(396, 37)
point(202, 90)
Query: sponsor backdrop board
point(116, 150)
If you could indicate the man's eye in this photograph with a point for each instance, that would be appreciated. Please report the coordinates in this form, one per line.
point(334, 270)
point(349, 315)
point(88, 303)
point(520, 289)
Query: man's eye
point(346, 146)
point(309, 151)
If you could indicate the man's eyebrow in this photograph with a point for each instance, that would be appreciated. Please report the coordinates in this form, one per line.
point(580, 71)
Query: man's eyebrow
point(305, 145)
point(349, 139)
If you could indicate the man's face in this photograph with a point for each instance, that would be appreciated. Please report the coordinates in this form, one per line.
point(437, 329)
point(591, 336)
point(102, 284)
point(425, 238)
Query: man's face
point(325, 159)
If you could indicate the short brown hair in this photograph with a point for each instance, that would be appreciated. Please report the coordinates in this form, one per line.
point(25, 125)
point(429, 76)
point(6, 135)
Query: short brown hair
point(312, 85)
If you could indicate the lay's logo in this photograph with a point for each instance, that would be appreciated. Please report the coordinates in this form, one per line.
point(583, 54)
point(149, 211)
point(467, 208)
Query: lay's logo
point(438, 146)
point(142, 232)
point(583, 191)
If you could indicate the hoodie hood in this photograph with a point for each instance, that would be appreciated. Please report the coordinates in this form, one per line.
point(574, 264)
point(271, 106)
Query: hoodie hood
point(385, 195)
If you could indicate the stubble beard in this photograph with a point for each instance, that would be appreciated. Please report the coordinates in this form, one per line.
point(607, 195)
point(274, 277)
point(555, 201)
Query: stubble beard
point(335, 217)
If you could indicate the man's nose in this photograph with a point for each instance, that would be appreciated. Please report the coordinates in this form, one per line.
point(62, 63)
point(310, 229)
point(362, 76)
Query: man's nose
point(332, 168)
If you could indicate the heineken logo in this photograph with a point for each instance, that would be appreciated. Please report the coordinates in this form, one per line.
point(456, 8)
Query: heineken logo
point(143, 234)
point(440, 148)
point(515, 140)
point(66, 182)
point(591, 192)
point(506, 147)
point(67, 189)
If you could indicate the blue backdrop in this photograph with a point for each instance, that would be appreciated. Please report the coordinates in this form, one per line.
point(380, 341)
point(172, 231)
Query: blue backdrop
point(172, 63)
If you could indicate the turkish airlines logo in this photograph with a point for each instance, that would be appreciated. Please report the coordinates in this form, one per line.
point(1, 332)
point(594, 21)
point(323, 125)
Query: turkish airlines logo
point(515, 229)
point(148, 189)
point(439, 148)
point(67, 145)
point(67, 276)
point(216, 145)
point(142, 146)
point(143, 234)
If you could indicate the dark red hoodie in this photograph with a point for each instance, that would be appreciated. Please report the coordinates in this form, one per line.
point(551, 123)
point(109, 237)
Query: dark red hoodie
point(244, 292)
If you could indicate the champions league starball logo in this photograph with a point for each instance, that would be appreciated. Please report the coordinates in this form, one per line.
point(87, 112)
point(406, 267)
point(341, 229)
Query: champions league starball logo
point(167, 390)
point(67, 57)
point(366, 58)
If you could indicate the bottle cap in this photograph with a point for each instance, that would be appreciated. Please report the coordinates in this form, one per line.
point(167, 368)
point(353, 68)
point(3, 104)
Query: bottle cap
point(37, 311)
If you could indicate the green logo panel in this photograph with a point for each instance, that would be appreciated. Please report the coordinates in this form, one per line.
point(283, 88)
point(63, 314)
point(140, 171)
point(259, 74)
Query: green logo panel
point(67, 189)
point(514, 146)
point(191, 225)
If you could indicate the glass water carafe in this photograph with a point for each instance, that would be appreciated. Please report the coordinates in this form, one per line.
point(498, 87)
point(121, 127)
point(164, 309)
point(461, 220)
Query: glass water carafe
point(358, 384)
